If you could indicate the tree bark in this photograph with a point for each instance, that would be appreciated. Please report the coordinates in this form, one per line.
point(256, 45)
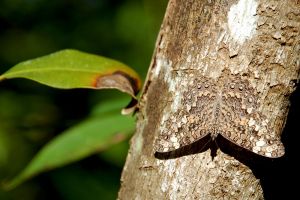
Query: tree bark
point(254, 39)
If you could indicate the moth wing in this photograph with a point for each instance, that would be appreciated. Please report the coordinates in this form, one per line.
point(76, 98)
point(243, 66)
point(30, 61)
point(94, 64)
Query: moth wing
point(191, 123)
point(242, 124)
point(268, 145)
point(169, 141)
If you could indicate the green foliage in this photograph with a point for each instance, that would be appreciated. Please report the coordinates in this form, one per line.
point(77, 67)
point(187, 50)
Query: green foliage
point(34, 119)
point(90, 136)
point(74, 69)
point(70, 69)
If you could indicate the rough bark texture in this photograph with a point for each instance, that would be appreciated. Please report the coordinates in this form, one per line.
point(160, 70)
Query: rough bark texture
point(207, 38)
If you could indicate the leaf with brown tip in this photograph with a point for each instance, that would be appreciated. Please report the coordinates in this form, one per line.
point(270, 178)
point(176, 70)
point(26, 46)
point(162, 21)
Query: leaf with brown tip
point(69, 69)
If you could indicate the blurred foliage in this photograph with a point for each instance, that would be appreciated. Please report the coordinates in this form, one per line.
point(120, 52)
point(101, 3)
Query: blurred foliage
point(31, 115)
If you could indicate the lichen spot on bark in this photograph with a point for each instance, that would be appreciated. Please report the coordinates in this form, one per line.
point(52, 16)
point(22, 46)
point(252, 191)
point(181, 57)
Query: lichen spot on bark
point(242, 20)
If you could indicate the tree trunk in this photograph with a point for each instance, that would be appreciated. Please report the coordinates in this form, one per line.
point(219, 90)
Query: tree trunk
point(252, 44)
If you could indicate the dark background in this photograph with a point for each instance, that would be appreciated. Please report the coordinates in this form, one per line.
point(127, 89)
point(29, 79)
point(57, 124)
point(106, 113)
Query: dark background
point(32, 114)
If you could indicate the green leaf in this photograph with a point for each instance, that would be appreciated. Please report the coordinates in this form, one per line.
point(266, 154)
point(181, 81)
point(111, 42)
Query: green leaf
point(93, 135)
point(68, 69)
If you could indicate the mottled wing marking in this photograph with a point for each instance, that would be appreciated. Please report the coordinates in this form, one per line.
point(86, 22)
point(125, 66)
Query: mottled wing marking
point(224, 106)
point(243, 124)
point(191, 123)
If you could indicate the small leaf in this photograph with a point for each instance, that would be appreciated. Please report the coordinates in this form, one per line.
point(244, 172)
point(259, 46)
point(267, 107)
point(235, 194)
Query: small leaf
point(91, 136)
point(74, 69)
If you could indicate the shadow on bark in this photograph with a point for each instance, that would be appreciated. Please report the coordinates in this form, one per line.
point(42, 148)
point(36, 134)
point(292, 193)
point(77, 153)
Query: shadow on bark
point(275, 174)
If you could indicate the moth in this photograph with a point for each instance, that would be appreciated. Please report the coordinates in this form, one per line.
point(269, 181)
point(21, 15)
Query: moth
point(228, 106)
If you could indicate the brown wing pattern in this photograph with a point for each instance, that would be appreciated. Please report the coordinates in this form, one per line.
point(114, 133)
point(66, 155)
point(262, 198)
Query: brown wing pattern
point(191, 123)
point(243, 125)
point(225, 106)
